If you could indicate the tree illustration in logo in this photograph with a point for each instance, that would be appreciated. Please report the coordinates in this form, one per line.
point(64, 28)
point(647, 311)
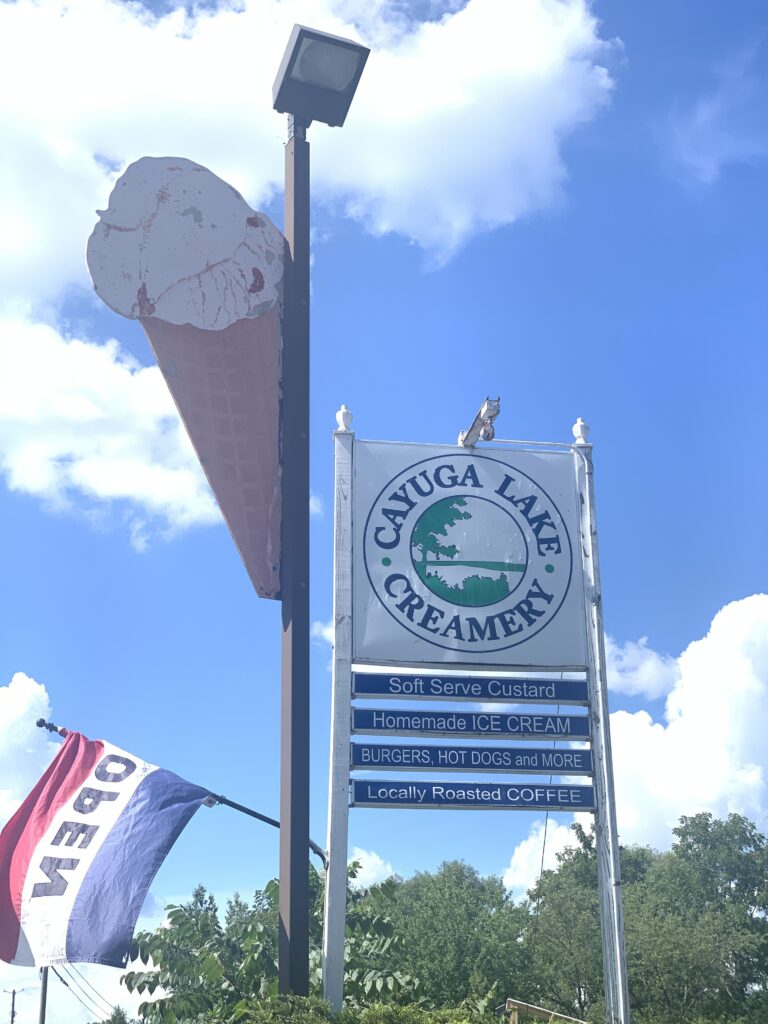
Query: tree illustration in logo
point(438, 565)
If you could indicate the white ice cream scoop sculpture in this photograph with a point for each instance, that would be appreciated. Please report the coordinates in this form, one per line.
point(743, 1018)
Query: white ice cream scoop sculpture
point(178, 243)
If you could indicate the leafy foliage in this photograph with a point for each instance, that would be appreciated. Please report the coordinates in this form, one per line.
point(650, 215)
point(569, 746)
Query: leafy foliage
point(118, 1016)
point(284, 1009)
point(198, 969)
point(696, 922)
point(372, 945)
point(201, 967)
point(696, 929)
point(460, 933)
point(435, 521)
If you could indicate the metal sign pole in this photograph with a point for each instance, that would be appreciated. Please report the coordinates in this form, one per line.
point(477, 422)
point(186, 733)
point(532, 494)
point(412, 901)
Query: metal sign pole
point(294, 722)
point(43, 993)
point(606, 831)
point(338, 787)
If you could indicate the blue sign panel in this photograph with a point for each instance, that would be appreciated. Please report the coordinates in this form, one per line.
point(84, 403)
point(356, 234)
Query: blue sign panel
point(392, 757)
point(473, 795)
point(487, 688)
point(459, 723)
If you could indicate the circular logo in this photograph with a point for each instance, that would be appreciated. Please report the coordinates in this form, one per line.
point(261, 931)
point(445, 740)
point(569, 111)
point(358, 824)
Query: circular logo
point(468, 553)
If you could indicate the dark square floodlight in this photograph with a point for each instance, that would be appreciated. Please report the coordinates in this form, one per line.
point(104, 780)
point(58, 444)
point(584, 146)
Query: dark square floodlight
point(318, 76)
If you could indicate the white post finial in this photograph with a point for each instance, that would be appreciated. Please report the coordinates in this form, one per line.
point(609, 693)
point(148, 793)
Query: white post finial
point(343, 418)
point(580, 431)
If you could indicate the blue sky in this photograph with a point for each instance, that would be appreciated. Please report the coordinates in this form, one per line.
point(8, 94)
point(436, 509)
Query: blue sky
point(559, 204)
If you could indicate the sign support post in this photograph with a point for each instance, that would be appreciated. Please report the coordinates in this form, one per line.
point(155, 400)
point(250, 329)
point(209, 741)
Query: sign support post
point(338, 787)
point(294, 582)
point(606, 831)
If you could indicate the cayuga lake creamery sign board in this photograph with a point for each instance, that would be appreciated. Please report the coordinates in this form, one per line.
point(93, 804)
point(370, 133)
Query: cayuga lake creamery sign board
point(466, 604)
point(464, 557)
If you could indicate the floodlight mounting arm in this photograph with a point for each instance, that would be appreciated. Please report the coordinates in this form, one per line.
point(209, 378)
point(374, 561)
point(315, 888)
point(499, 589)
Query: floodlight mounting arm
point(482, 425)
point(297, 127)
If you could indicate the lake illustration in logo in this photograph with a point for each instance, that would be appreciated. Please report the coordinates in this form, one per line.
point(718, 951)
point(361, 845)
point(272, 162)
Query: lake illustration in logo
point(469, 551)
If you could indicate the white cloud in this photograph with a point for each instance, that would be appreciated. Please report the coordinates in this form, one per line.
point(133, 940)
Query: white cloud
point(434, 163)
point(315, 505)
point(707, 754)
point(84, 424)
point(25, 750)
point(526, 862)
point(456, 128)
point(636, 669)
point(373, 868)
point(323, 631)
point(725, 125)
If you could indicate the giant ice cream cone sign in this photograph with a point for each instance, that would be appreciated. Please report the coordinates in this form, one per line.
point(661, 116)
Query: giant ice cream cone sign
point(182, 252)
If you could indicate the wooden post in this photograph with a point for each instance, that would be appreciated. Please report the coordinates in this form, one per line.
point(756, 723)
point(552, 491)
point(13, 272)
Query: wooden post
point(13, 993)
point(516, 1009)
point(338, 788)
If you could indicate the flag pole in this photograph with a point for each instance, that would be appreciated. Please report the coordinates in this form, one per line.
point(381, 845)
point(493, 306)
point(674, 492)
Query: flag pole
point(51, 727)
point(269, 821)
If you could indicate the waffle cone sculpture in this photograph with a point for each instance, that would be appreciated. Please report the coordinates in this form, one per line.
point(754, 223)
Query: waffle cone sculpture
point(180, 250)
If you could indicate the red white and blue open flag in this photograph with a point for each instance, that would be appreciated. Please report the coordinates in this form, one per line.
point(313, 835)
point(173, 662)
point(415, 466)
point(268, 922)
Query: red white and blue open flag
point(78, 857)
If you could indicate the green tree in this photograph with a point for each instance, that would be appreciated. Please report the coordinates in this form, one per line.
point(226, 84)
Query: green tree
point(208, 971)
point(118, 1016)
point(562, 936)
point(199, 966)
point(460, 934)
point(698, 930)
point(695, 920)
point(434, 522)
